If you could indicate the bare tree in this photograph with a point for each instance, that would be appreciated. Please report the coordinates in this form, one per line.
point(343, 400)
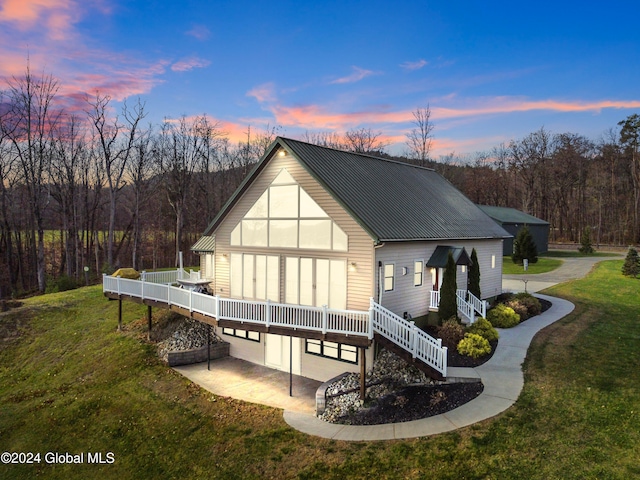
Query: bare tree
point(630, 139)
point(29, 125)
point(324, 139)
point(181, 147)
point(363, 140)
point(114, 141)
point(419, 138)
point(140, 170)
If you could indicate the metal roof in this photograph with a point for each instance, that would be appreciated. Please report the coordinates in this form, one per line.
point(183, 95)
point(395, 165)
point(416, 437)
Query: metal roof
point(392, 201)
point(205, 244)
point(441, 255)
point(395, 201)
point(511, 215)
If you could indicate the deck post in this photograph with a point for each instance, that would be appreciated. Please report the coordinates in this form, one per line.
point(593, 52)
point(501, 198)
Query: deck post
point(149, 322)
point(290, 366)
point(208, 346)
point(363, 372)
point(119, 313)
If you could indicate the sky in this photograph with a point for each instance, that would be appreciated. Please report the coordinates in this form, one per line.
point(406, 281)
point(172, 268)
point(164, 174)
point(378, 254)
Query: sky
point(490, 72)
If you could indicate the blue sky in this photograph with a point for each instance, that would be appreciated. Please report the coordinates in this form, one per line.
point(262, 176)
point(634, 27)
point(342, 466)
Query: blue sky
point(490, 71)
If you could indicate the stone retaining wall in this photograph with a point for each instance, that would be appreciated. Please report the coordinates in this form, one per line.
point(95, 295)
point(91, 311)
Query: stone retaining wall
point(198, 355)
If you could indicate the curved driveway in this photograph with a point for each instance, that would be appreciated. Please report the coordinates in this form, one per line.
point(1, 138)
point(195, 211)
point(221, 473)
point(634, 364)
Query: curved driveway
point(571, 269)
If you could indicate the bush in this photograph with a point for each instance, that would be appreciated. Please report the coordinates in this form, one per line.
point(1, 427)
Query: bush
point(483, 327)
point(451, 332)
point(61, 284)
point(473, 345)
point(534, 307)
point(519, 307)
point(502, 316)
point(631, 266)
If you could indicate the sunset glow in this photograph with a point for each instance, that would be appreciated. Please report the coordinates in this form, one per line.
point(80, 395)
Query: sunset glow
point(334, 67)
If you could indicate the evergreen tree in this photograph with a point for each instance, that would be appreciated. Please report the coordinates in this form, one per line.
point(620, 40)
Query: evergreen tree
point(524, 247)
point(448, 305)
point(474, 275)
point(585, 242)
point(631, 266)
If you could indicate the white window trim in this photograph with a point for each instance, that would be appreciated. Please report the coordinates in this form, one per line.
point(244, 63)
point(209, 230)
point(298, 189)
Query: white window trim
point(384, 277)
point(421, 260)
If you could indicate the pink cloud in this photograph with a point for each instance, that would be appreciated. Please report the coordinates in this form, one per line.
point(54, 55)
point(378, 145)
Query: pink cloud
point(56, 16)
point(414, 65)
point(189, 64)
point(357, 75)
point(500, 105)
point(199, 32)
point(263, 93)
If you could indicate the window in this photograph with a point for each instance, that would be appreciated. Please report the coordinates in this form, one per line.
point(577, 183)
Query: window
point(418, 267)
point(247, 335)
point(388, 276)
point(285, 216)
point(336, 351)
point(493, 261)
point(463, 268)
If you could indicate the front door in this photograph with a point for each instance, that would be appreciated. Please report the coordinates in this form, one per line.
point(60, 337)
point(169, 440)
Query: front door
point(281, 352)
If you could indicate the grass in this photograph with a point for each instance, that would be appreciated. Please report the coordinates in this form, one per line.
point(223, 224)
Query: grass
point(71, 383)
point(543, 265)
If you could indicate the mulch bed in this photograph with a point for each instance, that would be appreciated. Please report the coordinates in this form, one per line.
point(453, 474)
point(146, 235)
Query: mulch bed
point(414, 403)
point(423, 401)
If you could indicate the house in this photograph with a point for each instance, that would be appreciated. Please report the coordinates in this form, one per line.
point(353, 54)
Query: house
point(313, 226)
point(513, 220)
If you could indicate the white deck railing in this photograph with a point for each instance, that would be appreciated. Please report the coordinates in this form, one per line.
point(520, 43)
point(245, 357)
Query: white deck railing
point(466, 302)
point(406, 335)
point(320, 319)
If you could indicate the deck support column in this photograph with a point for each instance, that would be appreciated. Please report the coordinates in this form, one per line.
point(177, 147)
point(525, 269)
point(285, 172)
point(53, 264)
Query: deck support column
point(149, 322)
point(363, 373)
point(208, 347)
point(290, 366)
point(119, 313)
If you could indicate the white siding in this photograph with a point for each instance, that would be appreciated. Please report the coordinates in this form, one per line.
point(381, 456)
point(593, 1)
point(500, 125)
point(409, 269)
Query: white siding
point(415, 300)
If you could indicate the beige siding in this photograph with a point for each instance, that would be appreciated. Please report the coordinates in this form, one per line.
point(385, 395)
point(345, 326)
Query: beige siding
point(323, 369)
point(360, 251)
point(245, 349)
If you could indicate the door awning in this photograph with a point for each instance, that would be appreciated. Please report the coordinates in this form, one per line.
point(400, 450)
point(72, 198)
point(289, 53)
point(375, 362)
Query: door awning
point(441, 254)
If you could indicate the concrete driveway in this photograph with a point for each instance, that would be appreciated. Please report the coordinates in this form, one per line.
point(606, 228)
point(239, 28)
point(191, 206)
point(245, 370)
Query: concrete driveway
point(571, 269)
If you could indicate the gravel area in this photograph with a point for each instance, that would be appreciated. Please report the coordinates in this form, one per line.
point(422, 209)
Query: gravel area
point(185, 334)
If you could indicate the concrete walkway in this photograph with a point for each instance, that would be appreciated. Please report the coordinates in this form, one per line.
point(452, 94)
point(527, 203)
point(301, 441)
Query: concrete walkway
point(502, 378)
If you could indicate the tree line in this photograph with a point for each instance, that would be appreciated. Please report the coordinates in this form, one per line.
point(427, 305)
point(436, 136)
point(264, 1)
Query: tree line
point(94, 188)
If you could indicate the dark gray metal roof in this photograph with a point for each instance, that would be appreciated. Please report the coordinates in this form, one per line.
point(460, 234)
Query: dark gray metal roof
point(441, 255)
point(511, 215)
point(205, 244)
point(392, 201)
point(395, 201)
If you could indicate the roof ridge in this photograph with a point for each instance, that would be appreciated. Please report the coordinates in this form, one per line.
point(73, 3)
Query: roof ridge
point(366, 155)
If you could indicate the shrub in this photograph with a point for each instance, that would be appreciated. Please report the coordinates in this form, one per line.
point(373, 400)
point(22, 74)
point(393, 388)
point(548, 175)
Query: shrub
point(448, 301)
point(585, 242)
point(483, 327)
point(524, 247)
point(502, 316)
point(451, 332)
point(473, 345)
point(631, 266)
point(534, 307)
point(519, 307)
point(61, 284)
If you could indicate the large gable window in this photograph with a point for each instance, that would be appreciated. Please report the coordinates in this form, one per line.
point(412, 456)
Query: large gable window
point(285, 216)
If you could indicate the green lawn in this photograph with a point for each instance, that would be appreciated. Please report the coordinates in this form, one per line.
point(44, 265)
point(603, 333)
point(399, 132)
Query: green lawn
point(71, 383)
point(543, 265)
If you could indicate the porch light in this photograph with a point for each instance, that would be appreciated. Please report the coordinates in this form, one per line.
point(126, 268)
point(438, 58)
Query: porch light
point(282, 153)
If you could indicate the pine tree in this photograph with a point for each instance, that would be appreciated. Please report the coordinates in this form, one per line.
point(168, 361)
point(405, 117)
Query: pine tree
point(474, 275)
point(585, 242)
point(631, 266)
point(448, 304)
point(524, 247)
